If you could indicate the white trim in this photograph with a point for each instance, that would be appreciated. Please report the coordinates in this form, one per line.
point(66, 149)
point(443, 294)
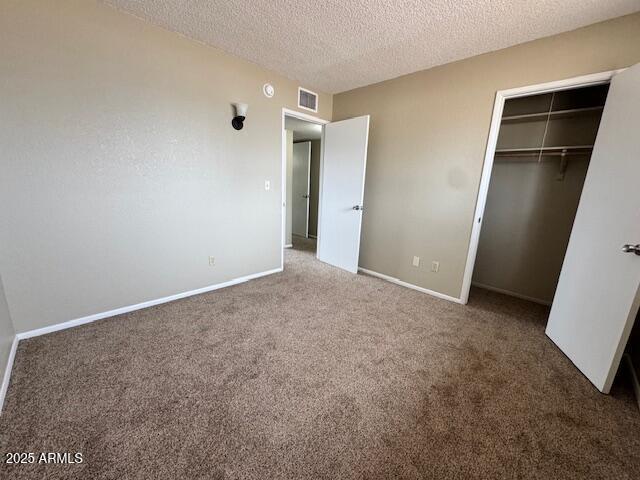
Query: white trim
point(313, 236)
point(286, 112)
point(511, 294)
point(300, 89)
point(7, 371)
point(320, 182)
point(409, 285)
point(483, 190)
point(283, 182)
point(138, 306)
point(289, 245)
point(304, 116)
point(112, 313)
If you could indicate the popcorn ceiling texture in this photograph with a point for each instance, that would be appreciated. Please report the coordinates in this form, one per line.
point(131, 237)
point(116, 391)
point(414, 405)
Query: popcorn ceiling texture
point(338, 45)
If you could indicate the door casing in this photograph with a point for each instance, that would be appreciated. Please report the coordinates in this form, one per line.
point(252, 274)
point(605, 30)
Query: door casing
point(286, 112)
point(498, 107)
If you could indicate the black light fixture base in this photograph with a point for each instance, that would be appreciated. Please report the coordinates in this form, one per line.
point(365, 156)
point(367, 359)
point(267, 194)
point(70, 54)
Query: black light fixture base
point(238, 122)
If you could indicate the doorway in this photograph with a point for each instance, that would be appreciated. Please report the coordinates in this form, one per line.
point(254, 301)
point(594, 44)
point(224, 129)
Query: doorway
point(502, 96)
point(542, 155)
point(597, 296)
point(323, 176)
point(304, 147)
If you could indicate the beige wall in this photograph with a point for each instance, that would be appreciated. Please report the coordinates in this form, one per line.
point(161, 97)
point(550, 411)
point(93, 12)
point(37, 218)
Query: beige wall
point(314, 190)
point(7, 332)
point(526, 227)
point(121, 173)
point(427, 141)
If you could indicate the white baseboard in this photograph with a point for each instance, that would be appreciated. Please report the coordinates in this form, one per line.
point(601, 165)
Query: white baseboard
point(313, 236)
point(112, 313)
point(138, 306)
point(289, 245)
point(7, 371)
point(397, 281)
point(510, 293)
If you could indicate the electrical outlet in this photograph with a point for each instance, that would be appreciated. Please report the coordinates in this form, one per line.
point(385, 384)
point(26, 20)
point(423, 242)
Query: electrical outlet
point(267, 185)
point(435, 266)
point(212, 261)
point(416, 261)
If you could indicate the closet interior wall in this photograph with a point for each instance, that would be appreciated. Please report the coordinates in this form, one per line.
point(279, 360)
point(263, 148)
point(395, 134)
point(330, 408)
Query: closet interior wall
point(541, 162)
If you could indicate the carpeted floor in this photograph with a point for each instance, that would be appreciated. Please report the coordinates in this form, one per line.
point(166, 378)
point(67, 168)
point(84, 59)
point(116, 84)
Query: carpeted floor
point(315, 373)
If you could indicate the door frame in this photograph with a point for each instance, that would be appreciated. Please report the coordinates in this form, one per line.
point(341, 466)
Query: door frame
point(286, 112)
point(485, 179)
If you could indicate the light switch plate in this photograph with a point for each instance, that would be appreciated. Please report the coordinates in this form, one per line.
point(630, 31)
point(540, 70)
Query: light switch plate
point(267, 185)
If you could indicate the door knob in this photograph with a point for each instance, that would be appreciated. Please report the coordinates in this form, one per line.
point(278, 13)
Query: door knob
point(628, 248)
point(358, 207)
point(305, 196)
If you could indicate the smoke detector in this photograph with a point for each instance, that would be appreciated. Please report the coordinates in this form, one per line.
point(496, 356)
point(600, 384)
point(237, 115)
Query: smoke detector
point(268, 90)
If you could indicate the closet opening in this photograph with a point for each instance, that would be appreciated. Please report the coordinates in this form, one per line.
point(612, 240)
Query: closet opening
point(541, 161)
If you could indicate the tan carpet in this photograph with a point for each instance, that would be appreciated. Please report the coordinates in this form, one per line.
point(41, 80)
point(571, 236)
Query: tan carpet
point(316, 374)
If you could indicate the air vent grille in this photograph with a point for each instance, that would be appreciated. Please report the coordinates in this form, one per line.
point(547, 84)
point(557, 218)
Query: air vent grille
point(307, 100)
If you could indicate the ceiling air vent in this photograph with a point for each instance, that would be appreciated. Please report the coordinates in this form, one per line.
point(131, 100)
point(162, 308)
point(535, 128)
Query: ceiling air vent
point(307, 100)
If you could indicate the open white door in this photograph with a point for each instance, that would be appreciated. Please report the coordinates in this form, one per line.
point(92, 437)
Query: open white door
point(342, 192)
point(300, 189)
point(597, 298)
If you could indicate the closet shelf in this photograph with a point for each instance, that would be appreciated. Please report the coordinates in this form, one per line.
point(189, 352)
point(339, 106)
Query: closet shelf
point(552, 115)
point(562, 151)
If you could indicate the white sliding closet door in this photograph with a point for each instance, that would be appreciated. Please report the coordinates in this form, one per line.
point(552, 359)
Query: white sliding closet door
point(597, 298)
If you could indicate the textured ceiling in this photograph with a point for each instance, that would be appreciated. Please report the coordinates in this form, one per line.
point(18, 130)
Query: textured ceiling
point(302, 130)
point(337, 45)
